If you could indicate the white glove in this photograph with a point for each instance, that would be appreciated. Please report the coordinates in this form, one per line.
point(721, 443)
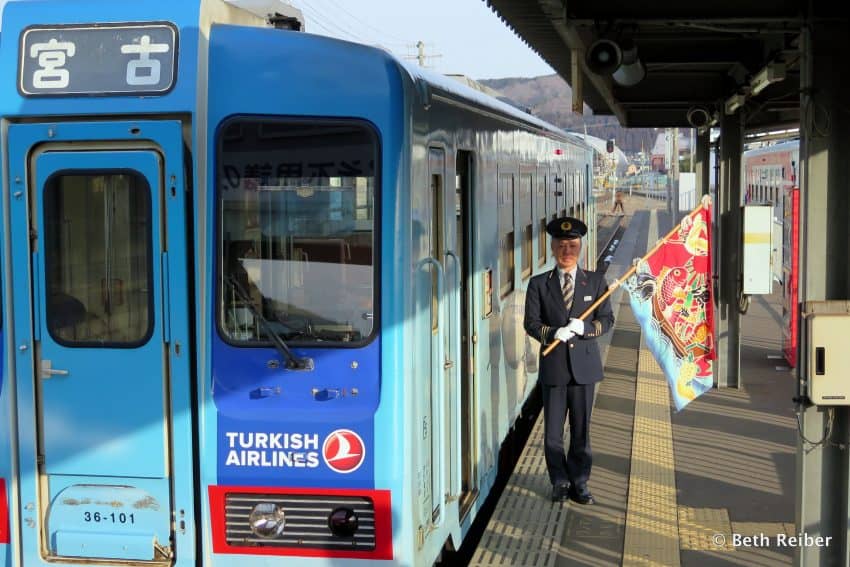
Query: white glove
point(576, 326)
point(563, 334)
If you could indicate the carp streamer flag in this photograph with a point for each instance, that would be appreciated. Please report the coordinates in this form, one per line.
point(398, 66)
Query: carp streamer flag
point(670, 293)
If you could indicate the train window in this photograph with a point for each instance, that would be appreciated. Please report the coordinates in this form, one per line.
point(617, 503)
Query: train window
point(527, 250)
point(526, 206)
point(506, 264)
point(98, 255)
point(506, 235)
point(436, 235)
point(296, 230)
point(542, 213)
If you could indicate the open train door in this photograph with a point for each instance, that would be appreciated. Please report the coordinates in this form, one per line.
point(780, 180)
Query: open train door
point(101, 322)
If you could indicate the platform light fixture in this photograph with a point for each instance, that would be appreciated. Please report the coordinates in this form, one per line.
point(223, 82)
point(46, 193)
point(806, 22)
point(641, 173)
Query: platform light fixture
point(771, 73)
point(734, 102)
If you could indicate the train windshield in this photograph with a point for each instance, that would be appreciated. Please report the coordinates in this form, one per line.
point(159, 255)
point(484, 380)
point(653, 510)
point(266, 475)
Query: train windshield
point(296, 226)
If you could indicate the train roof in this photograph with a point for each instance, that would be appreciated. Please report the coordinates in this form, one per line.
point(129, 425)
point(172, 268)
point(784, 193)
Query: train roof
point(457, 89)
point(781, 146)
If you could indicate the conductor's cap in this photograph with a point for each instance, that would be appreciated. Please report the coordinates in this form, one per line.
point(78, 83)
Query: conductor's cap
point(566, 227)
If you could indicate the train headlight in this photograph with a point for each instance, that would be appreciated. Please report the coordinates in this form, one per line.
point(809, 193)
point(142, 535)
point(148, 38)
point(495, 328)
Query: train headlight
point(267, 520)
point(343, 522)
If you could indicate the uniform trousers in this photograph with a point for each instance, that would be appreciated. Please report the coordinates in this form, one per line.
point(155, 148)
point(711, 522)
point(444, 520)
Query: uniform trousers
point(575, 401)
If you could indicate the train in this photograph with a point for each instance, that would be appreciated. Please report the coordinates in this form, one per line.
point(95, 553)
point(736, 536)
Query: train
point(262, 289)
point(770, 177)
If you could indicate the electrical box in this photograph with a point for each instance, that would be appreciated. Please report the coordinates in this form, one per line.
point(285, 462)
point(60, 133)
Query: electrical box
point(758, 249)
point(828, 367)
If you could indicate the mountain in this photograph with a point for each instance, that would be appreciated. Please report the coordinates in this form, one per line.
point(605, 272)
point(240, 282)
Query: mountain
point(550, 98)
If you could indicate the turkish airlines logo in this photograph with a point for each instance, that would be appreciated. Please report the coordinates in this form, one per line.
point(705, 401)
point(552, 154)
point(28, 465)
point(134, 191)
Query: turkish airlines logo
point(343, 451)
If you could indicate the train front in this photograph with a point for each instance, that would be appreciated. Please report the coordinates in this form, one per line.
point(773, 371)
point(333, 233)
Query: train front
point(303, 134)
point(202, 298)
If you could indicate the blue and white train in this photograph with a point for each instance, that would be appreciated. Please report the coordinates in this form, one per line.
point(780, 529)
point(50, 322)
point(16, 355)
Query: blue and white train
point(262, 290)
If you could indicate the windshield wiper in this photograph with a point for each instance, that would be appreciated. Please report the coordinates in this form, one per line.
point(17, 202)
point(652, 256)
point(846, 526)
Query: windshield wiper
point(292, 362)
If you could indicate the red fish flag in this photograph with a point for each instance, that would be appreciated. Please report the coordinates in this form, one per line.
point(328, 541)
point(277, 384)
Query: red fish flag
point(670, 294)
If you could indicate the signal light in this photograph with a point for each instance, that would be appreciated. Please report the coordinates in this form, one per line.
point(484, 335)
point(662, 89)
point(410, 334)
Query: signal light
point(558, 151)
point(609, 146)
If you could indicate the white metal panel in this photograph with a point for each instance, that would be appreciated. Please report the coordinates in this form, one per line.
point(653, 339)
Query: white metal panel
point(758, 251)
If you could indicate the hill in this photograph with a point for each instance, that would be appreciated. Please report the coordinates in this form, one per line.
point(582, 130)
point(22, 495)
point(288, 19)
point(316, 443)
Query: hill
point(550, 98)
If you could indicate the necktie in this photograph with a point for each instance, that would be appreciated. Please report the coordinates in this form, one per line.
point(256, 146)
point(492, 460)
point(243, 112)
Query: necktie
point(568, 291)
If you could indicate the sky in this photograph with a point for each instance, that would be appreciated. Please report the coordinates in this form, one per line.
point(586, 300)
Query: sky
point(464, 36)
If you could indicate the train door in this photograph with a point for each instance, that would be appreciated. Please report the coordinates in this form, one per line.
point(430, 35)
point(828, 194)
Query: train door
point(444, 325)
point(466, 362)
point(111, 478)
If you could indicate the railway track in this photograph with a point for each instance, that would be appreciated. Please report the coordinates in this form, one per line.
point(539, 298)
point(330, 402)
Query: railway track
point(608, 237)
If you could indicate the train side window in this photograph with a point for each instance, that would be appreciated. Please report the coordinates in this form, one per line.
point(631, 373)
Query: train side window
point(506, 235)
point(526, 201)
point(98, 254)
point(542, 212)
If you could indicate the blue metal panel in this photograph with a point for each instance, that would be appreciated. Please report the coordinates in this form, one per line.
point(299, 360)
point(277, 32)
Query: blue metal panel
point(17, 16)
point(106, 545)
point(167, 138)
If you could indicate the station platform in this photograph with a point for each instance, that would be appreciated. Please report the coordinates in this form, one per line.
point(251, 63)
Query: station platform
point(671, 489)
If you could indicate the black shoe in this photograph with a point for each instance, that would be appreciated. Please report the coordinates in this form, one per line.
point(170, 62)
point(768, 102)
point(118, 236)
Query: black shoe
point(581, 495)
point(561, 492)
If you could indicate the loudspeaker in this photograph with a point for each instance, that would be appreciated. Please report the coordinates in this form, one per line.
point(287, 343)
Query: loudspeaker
point(698, 117)
point(632, 70)
point(603, 57)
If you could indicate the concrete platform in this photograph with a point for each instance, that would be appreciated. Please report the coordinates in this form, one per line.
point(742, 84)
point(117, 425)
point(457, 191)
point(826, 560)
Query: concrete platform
point(671, 488)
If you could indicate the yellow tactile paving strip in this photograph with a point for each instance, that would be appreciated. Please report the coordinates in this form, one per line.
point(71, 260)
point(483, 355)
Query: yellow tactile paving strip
point(652, 531)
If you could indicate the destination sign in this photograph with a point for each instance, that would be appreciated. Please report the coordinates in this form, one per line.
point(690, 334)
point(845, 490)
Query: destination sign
point(102, 59)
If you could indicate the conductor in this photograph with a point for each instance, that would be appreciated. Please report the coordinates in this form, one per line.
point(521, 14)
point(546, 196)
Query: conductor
point(569, 374)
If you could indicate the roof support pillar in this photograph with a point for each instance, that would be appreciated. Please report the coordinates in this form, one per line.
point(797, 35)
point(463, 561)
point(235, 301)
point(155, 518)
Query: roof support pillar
point(823, 471)
point(727, 259)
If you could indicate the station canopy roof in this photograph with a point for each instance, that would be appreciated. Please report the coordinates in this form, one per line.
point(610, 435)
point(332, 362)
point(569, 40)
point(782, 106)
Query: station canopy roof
point(709, 54)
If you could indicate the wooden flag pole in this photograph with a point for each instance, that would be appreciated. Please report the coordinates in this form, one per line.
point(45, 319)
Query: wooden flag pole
point(706, 202)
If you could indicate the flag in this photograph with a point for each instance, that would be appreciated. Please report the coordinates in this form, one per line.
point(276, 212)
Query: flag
point(670, 294)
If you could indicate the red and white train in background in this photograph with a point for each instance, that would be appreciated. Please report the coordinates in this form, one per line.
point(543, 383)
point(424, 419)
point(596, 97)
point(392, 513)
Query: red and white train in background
point(770, 176)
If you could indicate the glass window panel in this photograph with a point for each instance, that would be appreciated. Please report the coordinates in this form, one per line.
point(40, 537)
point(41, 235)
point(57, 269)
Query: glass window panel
point(98, 256)
point(296, 230)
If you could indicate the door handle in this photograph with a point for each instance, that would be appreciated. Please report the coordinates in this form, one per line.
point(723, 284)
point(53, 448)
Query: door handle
point(47, 371)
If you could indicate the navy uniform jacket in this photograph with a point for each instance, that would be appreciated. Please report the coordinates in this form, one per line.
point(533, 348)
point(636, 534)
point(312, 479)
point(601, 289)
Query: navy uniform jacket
point(545, 312)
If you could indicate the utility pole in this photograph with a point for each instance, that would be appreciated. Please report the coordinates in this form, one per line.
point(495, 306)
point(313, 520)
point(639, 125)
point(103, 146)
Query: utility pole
point(421, 57)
